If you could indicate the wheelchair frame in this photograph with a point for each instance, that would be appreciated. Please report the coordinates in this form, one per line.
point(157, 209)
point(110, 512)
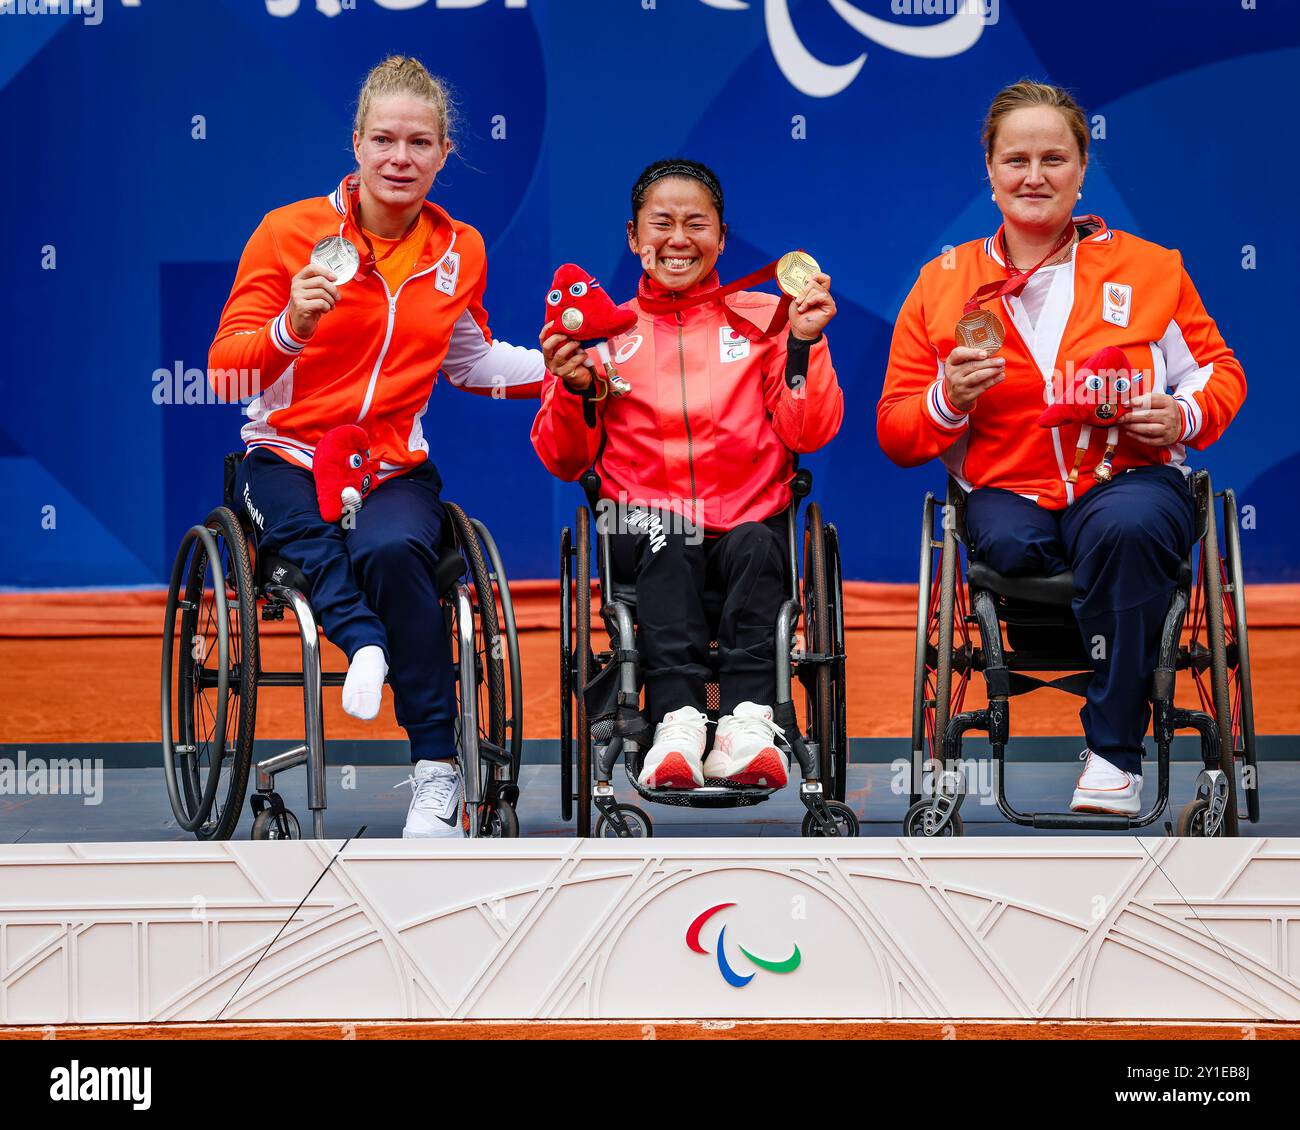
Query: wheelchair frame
point(1211, 586)
point(221, 616)
point(822, 756)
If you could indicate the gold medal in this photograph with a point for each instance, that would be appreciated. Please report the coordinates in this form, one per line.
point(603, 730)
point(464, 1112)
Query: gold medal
point(981, 329)
point(794, 271)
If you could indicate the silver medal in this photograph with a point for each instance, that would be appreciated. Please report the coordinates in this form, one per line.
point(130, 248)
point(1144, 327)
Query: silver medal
point(338, 255)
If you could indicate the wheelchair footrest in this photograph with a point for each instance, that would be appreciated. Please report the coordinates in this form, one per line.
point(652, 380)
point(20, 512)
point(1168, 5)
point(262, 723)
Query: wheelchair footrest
point(1090, 821)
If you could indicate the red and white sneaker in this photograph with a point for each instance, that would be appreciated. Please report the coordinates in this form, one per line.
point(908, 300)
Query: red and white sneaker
point(1103, 788)
point(744, 749)
point(674, 761)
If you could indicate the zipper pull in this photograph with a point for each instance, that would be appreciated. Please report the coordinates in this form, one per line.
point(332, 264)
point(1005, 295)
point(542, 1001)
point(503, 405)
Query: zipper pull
point(392, 304)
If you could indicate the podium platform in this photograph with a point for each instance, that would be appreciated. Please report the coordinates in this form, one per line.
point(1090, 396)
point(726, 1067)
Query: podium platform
point(1019, 928)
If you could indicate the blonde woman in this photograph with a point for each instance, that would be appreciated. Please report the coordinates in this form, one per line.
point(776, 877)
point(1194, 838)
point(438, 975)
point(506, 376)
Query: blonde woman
point(363, 344)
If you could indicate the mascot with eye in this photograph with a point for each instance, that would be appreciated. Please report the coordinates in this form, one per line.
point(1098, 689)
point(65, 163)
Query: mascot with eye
point(343, 470)
point(1096, 396)
point(580, 309)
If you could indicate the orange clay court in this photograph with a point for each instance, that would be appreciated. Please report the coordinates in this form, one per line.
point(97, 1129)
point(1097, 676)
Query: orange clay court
point(83, 667)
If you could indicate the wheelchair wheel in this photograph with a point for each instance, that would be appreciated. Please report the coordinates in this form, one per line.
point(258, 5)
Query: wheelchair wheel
point(638, 823)
point(940, 623)
point(501, 822)
point(209, 677)
point(1191, 820)
point(1238, 655)
point(839, 672)
point(268, 825)
point(818, 628)
point(506, 619)
point(582, 665)
point(487, 639)
point(566, 674)
point(844, 818)
point(1212, 610)
point(916, 824)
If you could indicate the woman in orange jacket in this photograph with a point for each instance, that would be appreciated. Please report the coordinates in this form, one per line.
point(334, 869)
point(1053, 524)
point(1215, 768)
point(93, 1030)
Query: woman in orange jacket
point(365, 348)
point(1063, 288)
point(697, 459)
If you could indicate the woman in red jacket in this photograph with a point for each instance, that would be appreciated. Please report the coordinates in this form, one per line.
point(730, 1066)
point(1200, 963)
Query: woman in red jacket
point(1064, 288)
point(365, 349)
point(698, 458)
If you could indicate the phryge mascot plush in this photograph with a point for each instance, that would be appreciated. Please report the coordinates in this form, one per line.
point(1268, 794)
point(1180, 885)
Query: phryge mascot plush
point(1096, 396)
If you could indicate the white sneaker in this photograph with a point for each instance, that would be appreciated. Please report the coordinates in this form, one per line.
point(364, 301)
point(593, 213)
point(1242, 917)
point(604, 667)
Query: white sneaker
point(1103, 788)
point(744, 749)
point(436, 811)
point(674, 761)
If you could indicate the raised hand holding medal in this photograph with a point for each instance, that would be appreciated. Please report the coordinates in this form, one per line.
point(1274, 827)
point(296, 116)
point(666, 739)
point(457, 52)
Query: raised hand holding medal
point(973, 366)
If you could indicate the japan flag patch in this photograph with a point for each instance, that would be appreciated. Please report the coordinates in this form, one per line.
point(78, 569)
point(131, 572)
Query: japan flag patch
point(1116, 303)
point(731, 345)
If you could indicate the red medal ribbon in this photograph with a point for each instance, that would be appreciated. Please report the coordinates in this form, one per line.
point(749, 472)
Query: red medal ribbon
point(653, 304)
point(1015, 282)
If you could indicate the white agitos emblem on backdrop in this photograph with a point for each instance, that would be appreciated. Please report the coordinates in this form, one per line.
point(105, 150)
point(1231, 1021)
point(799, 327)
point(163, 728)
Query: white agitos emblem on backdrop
point(959, 33)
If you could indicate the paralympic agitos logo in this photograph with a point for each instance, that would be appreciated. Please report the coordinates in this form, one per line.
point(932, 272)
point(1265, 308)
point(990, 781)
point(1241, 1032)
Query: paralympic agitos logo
point(734, 979)
point(809, 75)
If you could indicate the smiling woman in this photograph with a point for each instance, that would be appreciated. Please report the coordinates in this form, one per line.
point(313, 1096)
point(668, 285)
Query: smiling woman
point(966, 388)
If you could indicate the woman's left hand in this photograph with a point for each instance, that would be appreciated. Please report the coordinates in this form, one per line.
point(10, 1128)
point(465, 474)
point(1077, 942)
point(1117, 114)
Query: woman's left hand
point(810, 312)
point(1155, 419)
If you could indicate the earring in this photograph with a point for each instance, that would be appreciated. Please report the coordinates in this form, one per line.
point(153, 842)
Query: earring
point(1079, 195)
point(994, 197)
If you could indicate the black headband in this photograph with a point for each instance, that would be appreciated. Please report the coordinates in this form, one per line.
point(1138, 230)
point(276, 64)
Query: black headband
point(679, 170)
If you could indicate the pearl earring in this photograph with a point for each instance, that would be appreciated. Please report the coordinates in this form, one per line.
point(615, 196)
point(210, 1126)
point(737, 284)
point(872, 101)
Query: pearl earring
point(994, 197)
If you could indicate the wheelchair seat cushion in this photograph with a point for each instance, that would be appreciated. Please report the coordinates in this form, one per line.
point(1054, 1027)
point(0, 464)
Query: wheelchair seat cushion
point(277, 571)
point(1057, 591)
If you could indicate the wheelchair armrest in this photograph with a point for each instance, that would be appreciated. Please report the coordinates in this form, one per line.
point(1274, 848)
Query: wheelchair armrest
point(450, 568)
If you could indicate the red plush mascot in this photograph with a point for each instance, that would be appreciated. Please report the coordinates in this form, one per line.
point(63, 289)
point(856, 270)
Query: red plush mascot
point(344, 471)
point(1097, 396)
point(581, 310)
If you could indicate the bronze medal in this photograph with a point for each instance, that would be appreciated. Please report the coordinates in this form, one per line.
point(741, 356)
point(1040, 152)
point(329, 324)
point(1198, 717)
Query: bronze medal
point(981, 329)
point(794, 271)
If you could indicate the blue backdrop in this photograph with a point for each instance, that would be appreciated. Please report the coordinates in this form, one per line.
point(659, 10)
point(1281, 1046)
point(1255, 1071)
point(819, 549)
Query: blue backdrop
point(850, 128)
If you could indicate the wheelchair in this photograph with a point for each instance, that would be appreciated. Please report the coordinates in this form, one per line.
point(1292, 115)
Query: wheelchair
point(212, 673)
point(1041, 635)
point(600, 713)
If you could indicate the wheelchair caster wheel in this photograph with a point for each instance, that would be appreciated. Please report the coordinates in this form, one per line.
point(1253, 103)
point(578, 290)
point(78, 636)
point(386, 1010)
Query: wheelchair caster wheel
point(843, 817)
point(501, 822)
point(271, 825)
point(1191, 820)
point(638, 824)
point(920, 821)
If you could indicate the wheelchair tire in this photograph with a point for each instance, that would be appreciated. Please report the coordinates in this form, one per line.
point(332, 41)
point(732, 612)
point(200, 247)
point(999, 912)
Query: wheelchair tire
point(638, 822)
point(566, 674)
point(921, 667)
point(914, 823)
point(582, 665)
point(501, 822)
point(839, 670)
point(215, 698)
point(268, 825)
point(487, 640)
point(843, 816)
point(510, 635)
point(1212, 580)
point(1191, 820)
point(1243, 715)
point(817, 619)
